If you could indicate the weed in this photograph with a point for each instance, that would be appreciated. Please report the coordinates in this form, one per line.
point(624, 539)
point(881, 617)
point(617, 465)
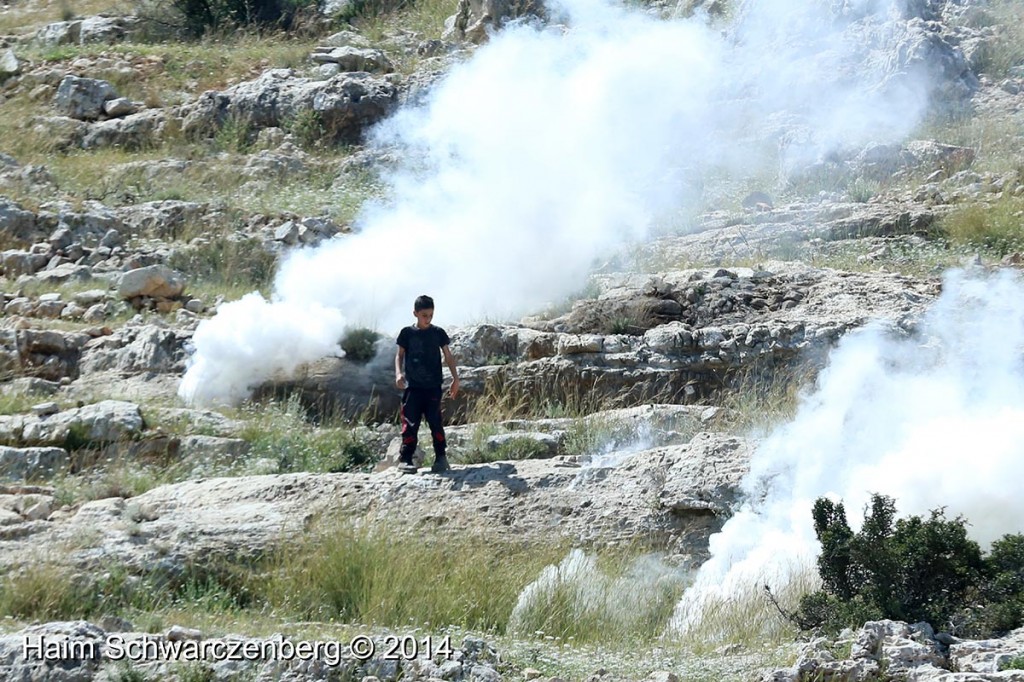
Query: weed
point(513, 447)
point(375, 576)
point(234, 135)
point(630, 599)
point(235, 262)
point(998, 227)
point(1015, 663)
point(279, 431)
point(307, 126)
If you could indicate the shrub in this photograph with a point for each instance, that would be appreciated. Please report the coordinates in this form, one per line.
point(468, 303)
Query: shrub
point(912, 569)
point(360, 345)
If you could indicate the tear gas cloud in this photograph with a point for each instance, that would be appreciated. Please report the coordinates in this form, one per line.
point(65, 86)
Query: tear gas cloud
point(552, 147)
point(936, 420)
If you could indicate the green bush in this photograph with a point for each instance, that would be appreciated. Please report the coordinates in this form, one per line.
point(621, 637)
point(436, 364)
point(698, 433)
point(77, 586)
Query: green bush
point(912, 569)
point(360, 345)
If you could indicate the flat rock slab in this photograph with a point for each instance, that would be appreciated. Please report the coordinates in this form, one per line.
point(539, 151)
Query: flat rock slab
point(677, 494)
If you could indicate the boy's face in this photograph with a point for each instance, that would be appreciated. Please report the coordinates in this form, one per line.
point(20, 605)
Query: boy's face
point(423, 317)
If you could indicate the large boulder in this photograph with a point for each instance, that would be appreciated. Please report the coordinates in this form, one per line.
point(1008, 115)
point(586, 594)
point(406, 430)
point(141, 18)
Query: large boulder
point(105, 422)
point(157, 281)
point(45, 354)
point(23, 464)
point(149, 350)
point(344, 105)
point(18, 225)
point(106, 30)
point(133, 131)
point(9, 64)
point(60, 33)
point(82, 98)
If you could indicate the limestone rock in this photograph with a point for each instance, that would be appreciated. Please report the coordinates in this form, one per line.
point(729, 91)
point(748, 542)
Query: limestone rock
point(130, 131)
point(154, 280)
point(351, 58)
point(107, 421)
point(9, 64)
point(44, 354)
point(148, 350)
point(987, 656)
point(25, 464)
point(345, 105)
point(60, 33)
point(122, 106)
point(474, 18)
point(106, 30)
point(247, 515)
point(17, 224)
point(82, 98)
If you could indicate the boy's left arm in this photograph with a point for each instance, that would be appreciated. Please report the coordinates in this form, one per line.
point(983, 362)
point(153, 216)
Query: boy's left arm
point(449, 360)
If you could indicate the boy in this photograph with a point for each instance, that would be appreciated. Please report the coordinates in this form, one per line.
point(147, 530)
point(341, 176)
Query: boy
point(418, 373)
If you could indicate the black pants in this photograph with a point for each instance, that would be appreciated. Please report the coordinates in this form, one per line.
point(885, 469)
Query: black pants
point(416, 404)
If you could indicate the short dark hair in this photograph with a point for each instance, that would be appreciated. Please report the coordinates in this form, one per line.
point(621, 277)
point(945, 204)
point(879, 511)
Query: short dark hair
point(423, 302)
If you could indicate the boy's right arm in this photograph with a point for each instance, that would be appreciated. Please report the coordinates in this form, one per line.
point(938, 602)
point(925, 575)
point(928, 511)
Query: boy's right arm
point(399, 362)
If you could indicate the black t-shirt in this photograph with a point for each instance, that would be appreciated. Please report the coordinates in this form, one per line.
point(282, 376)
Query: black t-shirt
point(423, 355)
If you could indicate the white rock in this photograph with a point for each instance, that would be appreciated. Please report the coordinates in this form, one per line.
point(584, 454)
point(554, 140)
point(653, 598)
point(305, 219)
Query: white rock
point(153, 280)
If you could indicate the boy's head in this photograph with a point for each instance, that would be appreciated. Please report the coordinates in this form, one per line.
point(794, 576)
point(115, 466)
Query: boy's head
point(423, 309)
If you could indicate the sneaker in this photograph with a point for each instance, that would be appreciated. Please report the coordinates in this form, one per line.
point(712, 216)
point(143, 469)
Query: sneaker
point(440, 465)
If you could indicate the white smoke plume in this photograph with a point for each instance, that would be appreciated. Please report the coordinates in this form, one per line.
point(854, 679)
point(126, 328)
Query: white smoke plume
point(933, 421)
point(551, 148)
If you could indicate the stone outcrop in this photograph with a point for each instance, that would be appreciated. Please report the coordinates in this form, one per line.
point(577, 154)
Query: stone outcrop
point(43, 354)
point(157, 281)
point(102, 423)
point(677, 337)
point(344, 105)
point(890, 650)
point(83, 98)
point(473, 19)
point(675, 494)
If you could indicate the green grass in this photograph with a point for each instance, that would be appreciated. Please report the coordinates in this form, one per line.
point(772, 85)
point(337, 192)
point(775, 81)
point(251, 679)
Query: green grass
point(997, 227)
point(51, 591)
point(747, 618)
point(478, 451)
point(18, 403)
point(225, 263)
point(758, 400)
point(280, 432)
point(1015, 663)
point(1006, 51)
point(622, 599)
point(382, 577)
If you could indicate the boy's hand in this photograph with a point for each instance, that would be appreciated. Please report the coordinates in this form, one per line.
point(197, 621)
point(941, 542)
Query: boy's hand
point(455, 388)
point(400, 382)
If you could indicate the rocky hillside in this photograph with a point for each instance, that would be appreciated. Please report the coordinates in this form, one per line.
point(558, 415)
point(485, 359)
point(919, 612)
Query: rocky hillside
point(147, 179)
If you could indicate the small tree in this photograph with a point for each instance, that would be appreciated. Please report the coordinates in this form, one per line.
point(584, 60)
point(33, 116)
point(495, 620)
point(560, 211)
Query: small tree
point(912, 569)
